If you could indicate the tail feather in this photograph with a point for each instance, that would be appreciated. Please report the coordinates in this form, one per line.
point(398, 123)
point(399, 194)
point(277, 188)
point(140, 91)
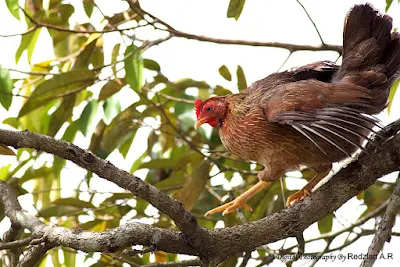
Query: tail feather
point(371, 53)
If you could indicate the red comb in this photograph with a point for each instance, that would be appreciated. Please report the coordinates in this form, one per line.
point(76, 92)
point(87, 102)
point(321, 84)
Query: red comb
point(197, 104)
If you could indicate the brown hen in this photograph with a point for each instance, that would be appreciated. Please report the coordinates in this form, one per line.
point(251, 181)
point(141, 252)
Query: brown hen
point(312, 115)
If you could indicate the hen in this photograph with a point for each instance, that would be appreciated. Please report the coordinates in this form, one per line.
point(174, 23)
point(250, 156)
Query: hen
point(313, 115)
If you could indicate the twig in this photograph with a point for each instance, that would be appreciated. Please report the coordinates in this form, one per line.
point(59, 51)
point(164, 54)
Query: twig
point(10, 235)
point(301, 246)
point(286, 60)
point(246, 259)
point(177, 33)
point(359, 222)
point(33, 72)
point(16, 243)
point(31, 29)
point(319, 256)
point(62, 29)
point(313, 23)
point(383, 233)
point(134, 252)
point(175, 264)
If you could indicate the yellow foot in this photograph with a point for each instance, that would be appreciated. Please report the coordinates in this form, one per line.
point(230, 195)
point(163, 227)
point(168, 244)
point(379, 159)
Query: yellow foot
point(230, 207)
point(293, 199)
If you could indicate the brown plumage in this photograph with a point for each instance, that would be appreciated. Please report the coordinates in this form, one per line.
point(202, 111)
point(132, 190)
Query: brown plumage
point(312, 115)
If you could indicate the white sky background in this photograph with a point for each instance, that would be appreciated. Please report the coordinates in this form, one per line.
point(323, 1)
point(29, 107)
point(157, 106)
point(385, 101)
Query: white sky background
point(278, 21)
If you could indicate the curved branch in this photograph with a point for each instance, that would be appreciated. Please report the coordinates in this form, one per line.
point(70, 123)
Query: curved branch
point(221, 243)
point(34, 255)
point(62, 29)
point(184, 219)
point(177, 33)
point(108, 241)
point(385, 227)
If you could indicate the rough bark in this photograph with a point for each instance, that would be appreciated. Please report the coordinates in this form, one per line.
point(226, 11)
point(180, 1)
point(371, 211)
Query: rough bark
point(211, 245)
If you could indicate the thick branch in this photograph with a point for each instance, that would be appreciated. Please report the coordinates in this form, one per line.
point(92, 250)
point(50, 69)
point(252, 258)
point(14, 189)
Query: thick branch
point(185, 220)
point(108, 241)
point(348, 182)
point(385, 227)
point(221, 243)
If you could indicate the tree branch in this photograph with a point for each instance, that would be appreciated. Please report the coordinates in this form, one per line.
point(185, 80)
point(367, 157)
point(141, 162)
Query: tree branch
point(221, 243)
point(16, 243)
point(385, 227)
point(312, 21)
point(177, 33)
point(34, 255)
point(31, 29)
point(108, 241)
point(62, 29)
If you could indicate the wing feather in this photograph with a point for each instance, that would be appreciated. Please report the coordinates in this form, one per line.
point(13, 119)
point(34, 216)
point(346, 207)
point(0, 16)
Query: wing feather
point(342, 127)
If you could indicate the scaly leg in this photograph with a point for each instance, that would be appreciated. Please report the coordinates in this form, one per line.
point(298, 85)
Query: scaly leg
point(240, 201)
point(306, 190)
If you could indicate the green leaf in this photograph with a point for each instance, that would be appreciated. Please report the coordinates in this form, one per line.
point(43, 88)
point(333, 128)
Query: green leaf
point(97, 59)
point(83, 60)
point(70, 132)
point(241, 79)
point(392, 93)
point(69, 257)
point(118, 196)
point(110, 88)
point(6, 86)
point(13, 122)
point(134, 67)
point(120, 129)
point(388, 4)
point(223, 70)
point(235, 8)
point(88, 6)
point(114, 56)
point(58, 86)
point(219, 90)
point(61, 115)
point(73, 202)
point(195, 184)
point(159, 164)
point(151, 64)
point(13, 7)
point(325, 224)
point(88, 114)
point(4, 172)
point(136, 164)
point(28, 43)
point(111, 108)
point(58, 211)
point(125, 146)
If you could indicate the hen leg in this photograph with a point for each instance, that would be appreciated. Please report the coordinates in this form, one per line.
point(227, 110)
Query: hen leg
point(266, 177)
point(321, 172)
point(240, 201)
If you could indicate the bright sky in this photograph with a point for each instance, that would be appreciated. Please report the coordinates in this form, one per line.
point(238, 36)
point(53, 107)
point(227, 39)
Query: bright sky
point(280, 21)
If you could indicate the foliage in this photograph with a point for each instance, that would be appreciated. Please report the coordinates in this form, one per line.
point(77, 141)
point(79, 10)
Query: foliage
point(76, 96)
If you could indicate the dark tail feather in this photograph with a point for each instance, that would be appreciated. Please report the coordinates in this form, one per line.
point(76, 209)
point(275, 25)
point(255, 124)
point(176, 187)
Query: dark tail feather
point(371, 53)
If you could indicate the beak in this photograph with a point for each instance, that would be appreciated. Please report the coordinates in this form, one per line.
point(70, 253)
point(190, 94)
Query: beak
point(199, 123)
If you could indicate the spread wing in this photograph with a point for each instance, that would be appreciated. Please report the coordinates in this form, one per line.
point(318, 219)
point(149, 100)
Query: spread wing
point(325, 113)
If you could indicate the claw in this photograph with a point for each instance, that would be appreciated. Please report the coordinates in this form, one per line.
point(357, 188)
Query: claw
point(230, 207)
point(240, 201)
point(293, 199)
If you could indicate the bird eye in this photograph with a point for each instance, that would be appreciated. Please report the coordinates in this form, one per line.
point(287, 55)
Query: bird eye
point(208, 109)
